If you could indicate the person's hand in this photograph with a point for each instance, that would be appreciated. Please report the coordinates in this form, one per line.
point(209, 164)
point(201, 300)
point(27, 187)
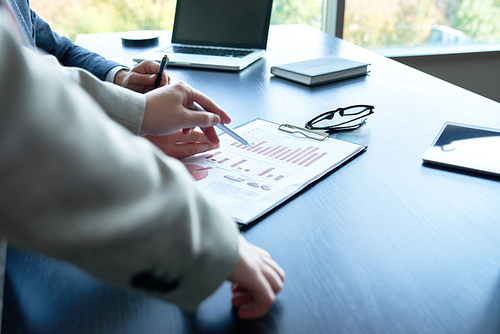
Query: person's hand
point(256, 281)
point(168, 110)
point(179, 145)
point(141, 78)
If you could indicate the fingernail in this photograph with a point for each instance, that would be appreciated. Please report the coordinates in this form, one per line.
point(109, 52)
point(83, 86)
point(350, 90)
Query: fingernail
point(152, 76)
point(216, 146)
point(215, 120)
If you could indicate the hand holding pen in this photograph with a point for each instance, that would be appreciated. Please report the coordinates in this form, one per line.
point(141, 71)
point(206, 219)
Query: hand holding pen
point(207, 129)
point(166, 112)
point(141, 78)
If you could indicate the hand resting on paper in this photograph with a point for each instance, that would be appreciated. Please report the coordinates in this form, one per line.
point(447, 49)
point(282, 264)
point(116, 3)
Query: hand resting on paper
point(179, 145)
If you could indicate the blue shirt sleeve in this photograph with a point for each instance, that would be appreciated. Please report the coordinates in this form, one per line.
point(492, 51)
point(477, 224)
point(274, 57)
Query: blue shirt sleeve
point(67, 52)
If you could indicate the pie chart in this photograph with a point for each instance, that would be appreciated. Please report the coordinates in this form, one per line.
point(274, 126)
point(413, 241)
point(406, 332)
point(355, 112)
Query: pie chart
point(197, 172)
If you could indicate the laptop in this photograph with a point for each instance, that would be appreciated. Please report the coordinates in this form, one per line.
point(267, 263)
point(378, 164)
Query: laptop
point(216, 34)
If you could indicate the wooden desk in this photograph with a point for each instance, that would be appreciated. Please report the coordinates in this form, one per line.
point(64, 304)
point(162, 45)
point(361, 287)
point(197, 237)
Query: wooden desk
point(382, 245)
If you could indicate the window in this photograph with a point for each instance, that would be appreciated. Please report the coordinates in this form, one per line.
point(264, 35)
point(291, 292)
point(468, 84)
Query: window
point(70, 18)
point(386, 24)
point(298, 11)
point(374, 24)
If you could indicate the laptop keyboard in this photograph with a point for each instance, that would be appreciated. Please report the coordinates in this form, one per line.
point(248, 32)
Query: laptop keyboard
point(208, 51)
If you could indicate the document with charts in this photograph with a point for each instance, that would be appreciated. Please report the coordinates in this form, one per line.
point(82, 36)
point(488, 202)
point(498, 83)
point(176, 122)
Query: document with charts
point(249, 182)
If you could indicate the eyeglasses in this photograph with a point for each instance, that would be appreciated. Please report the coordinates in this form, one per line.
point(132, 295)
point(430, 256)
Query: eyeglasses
point(351, 118)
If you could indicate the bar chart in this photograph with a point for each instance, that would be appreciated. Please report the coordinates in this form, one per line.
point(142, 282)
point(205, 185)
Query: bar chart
point(269, 161)
point(250, 180)
point(302, 156)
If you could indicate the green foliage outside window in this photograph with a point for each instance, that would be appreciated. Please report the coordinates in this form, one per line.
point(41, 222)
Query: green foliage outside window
point(369, 23)
point(410, 23)
point(297, 12)
point(479, 19)
point(71, 17)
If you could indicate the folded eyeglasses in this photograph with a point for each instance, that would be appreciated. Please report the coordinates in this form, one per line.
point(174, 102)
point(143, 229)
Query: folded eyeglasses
point(349, 118)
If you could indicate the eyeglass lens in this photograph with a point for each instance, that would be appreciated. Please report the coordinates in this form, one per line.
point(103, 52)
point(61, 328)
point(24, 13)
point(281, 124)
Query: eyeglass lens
point(351, 117)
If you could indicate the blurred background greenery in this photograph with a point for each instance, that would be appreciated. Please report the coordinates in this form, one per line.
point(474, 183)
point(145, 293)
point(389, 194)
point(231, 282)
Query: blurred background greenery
point(71, 17)
point(373, 24)
point(411, 23)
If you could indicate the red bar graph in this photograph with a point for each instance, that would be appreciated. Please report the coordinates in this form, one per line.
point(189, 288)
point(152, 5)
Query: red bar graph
point(297, 154)
point(266, 171)
point(283, 153)
point(258, 150)
point(289, 154)
point(308, 158)
point(213, 155)
point(315, 159)
point(277, 152)
point(238, 163)
point(256, 147)
point(305, 155)
point(272, 151)
point(265, 150)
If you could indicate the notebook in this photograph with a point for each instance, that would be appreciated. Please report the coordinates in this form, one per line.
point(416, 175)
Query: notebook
point(321, 70)
point(216, 34)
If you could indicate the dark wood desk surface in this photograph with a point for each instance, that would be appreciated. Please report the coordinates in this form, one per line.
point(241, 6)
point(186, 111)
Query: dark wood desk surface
point(382, 245)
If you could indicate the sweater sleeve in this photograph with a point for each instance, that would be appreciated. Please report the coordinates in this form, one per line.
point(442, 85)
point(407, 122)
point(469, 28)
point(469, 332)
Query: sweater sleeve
point(80, 187)
point(122, 105)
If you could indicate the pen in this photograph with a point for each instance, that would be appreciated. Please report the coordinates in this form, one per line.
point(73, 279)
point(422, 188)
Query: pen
point(226, 128)
point(233, 134)
point(163, 64)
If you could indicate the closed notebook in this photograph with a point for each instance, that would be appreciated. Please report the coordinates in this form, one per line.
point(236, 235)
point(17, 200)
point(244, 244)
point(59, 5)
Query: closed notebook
point(317, 71)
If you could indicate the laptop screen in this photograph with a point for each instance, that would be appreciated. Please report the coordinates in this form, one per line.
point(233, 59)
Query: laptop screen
point(230, 23)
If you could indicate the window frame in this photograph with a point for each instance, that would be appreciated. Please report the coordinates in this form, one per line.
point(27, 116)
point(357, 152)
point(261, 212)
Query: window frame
point(333, 17)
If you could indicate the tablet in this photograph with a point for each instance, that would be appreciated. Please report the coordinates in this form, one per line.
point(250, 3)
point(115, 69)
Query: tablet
point(467, 147)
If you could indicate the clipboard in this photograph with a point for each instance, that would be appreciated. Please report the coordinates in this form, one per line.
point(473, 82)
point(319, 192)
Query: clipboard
point(312, 134)
point(283, 160)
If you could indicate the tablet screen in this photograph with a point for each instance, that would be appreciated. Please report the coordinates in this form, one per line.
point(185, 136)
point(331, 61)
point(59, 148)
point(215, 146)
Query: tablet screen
point(468, 147)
